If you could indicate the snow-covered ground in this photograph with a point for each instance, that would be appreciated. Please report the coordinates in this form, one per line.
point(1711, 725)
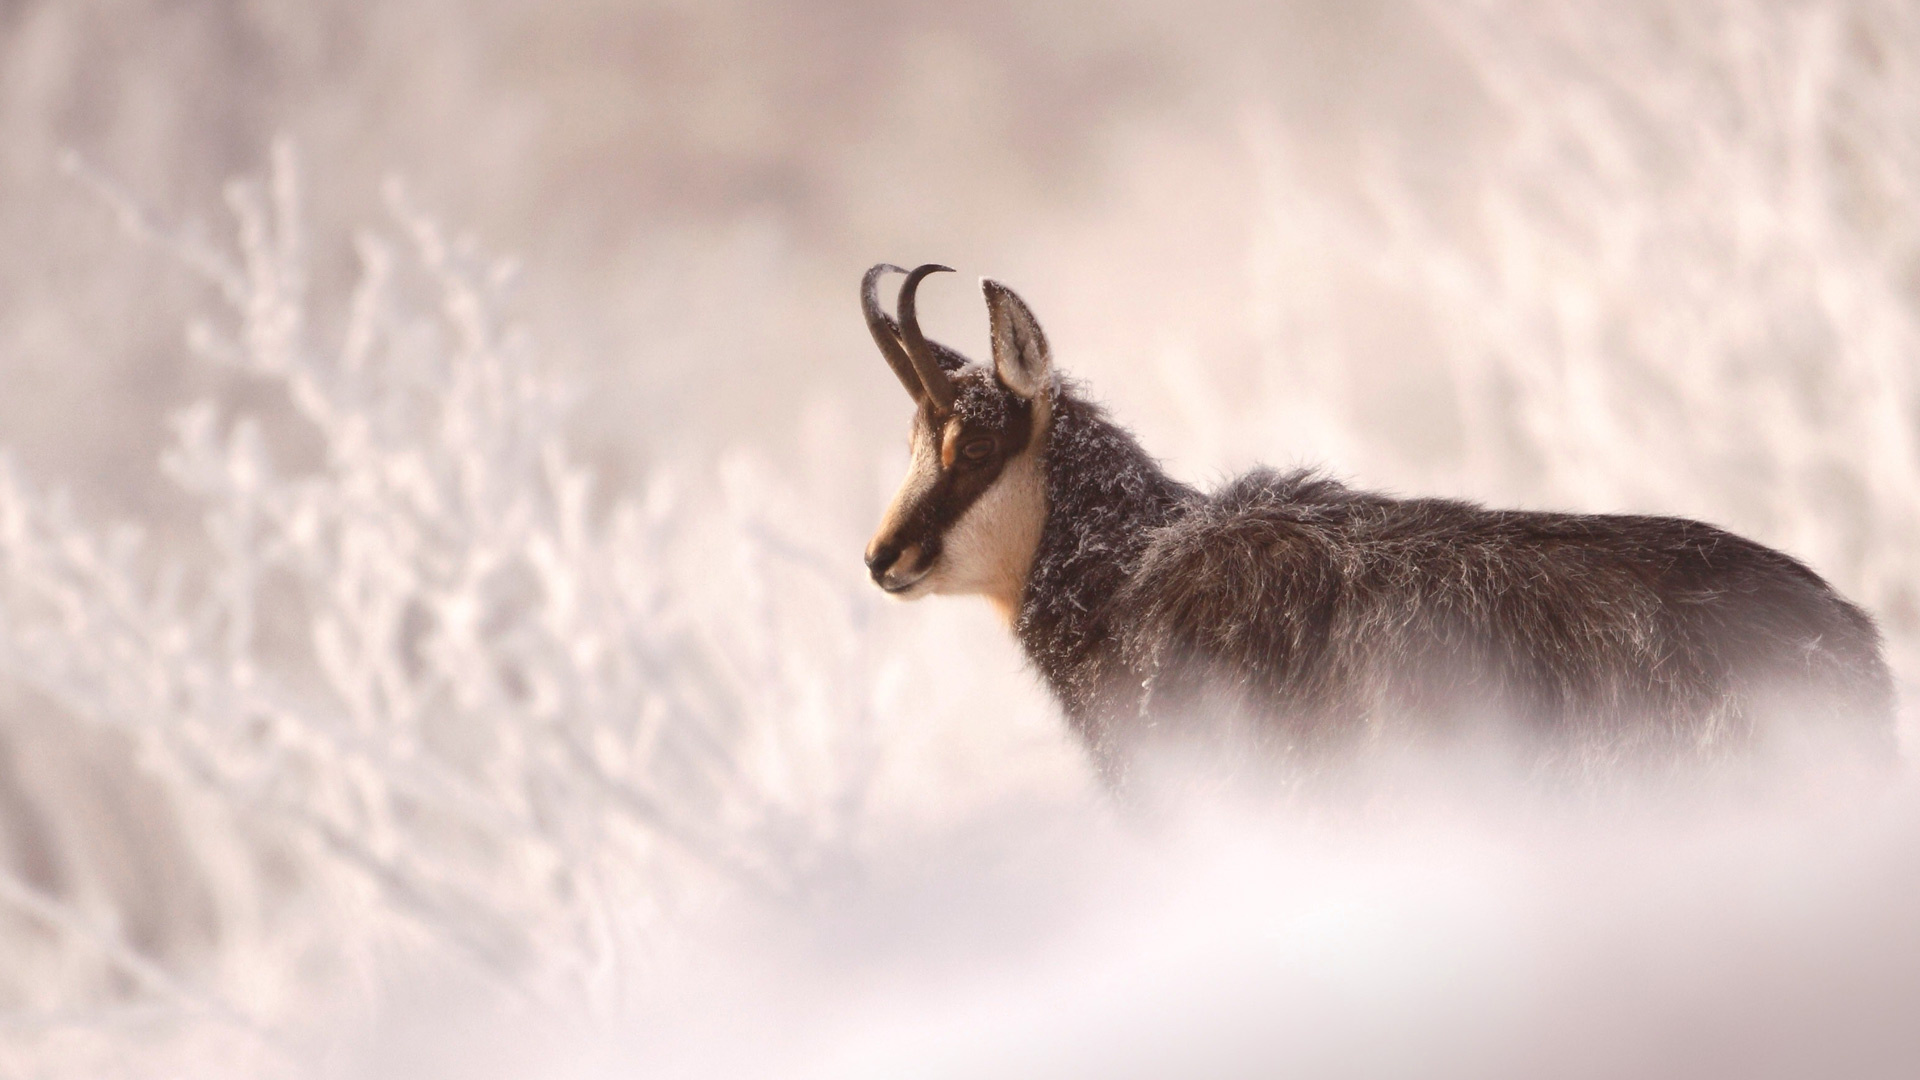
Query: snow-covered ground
point(421, 662)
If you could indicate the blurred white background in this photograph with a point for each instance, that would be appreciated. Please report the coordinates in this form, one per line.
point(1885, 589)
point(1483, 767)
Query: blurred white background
point(503, 627)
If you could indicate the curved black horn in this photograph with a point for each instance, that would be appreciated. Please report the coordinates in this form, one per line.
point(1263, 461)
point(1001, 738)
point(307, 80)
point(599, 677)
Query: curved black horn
point(886, 332)
point(939, 387)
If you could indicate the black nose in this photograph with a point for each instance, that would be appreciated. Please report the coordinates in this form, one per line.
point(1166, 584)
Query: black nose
point(881, 559)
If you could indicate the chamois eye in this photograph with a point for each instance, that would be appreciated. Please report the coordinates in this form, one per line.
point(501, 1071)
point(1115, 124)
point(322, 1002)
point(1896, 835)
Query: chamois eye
point(977, 449)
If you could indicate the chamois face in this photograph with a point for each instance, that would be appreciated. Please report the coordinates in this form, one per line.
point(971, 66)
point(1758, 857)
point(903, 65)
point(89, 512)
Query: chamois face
point(968, 516)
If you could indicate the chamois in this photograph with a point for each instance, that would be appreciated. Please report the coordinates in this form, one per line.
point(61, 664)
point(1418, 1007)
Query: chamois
point(1303, 614)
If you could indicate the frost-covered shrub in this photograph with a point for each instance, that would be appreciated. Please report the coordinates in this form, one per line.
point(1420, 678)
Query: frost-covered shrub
point(419, 683)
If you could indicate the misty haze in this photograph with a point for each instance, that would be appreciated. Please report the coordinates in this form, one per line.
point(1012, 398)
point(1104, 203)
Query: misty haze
point(442, 442)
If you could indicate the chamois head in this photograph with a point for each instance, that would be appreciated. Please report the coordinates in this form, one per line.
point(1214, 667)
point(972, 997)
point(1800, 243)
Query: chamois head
point(968, 516)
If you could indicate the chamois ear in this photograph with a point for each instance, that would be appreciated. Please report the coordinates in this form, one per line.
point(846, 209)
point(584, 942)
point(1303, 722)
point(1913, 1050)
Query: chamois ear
point(1020, 355)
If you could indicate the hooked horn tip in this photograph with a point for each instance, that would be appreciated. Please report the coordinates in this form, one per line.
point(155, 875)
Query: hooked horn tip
point(912, 284)
point(939, 388)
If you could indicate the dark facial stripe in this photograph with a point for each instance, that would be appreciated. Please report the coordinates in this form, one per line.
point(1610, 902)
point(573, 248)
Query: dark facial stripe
point(1007, 422)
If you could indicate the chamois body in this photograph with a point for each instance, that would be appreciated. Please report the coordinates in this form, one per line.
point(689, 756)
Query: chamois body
point(1294, 615)
point(1302, 615)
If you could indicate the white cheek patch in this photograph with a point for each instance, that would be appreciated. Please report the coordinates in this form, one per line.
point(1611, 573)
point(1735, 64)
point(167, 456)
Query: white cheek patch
point(990, 549)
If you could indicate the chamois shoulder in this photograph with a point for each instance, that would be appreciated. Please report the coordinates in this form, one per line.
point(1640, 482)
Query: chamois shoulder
point(1256, 570)
point(1264, 488)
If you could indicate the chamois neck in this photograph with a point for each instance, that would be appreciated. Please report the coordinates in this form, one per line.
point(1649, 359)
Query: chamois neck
point(1104, 496)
